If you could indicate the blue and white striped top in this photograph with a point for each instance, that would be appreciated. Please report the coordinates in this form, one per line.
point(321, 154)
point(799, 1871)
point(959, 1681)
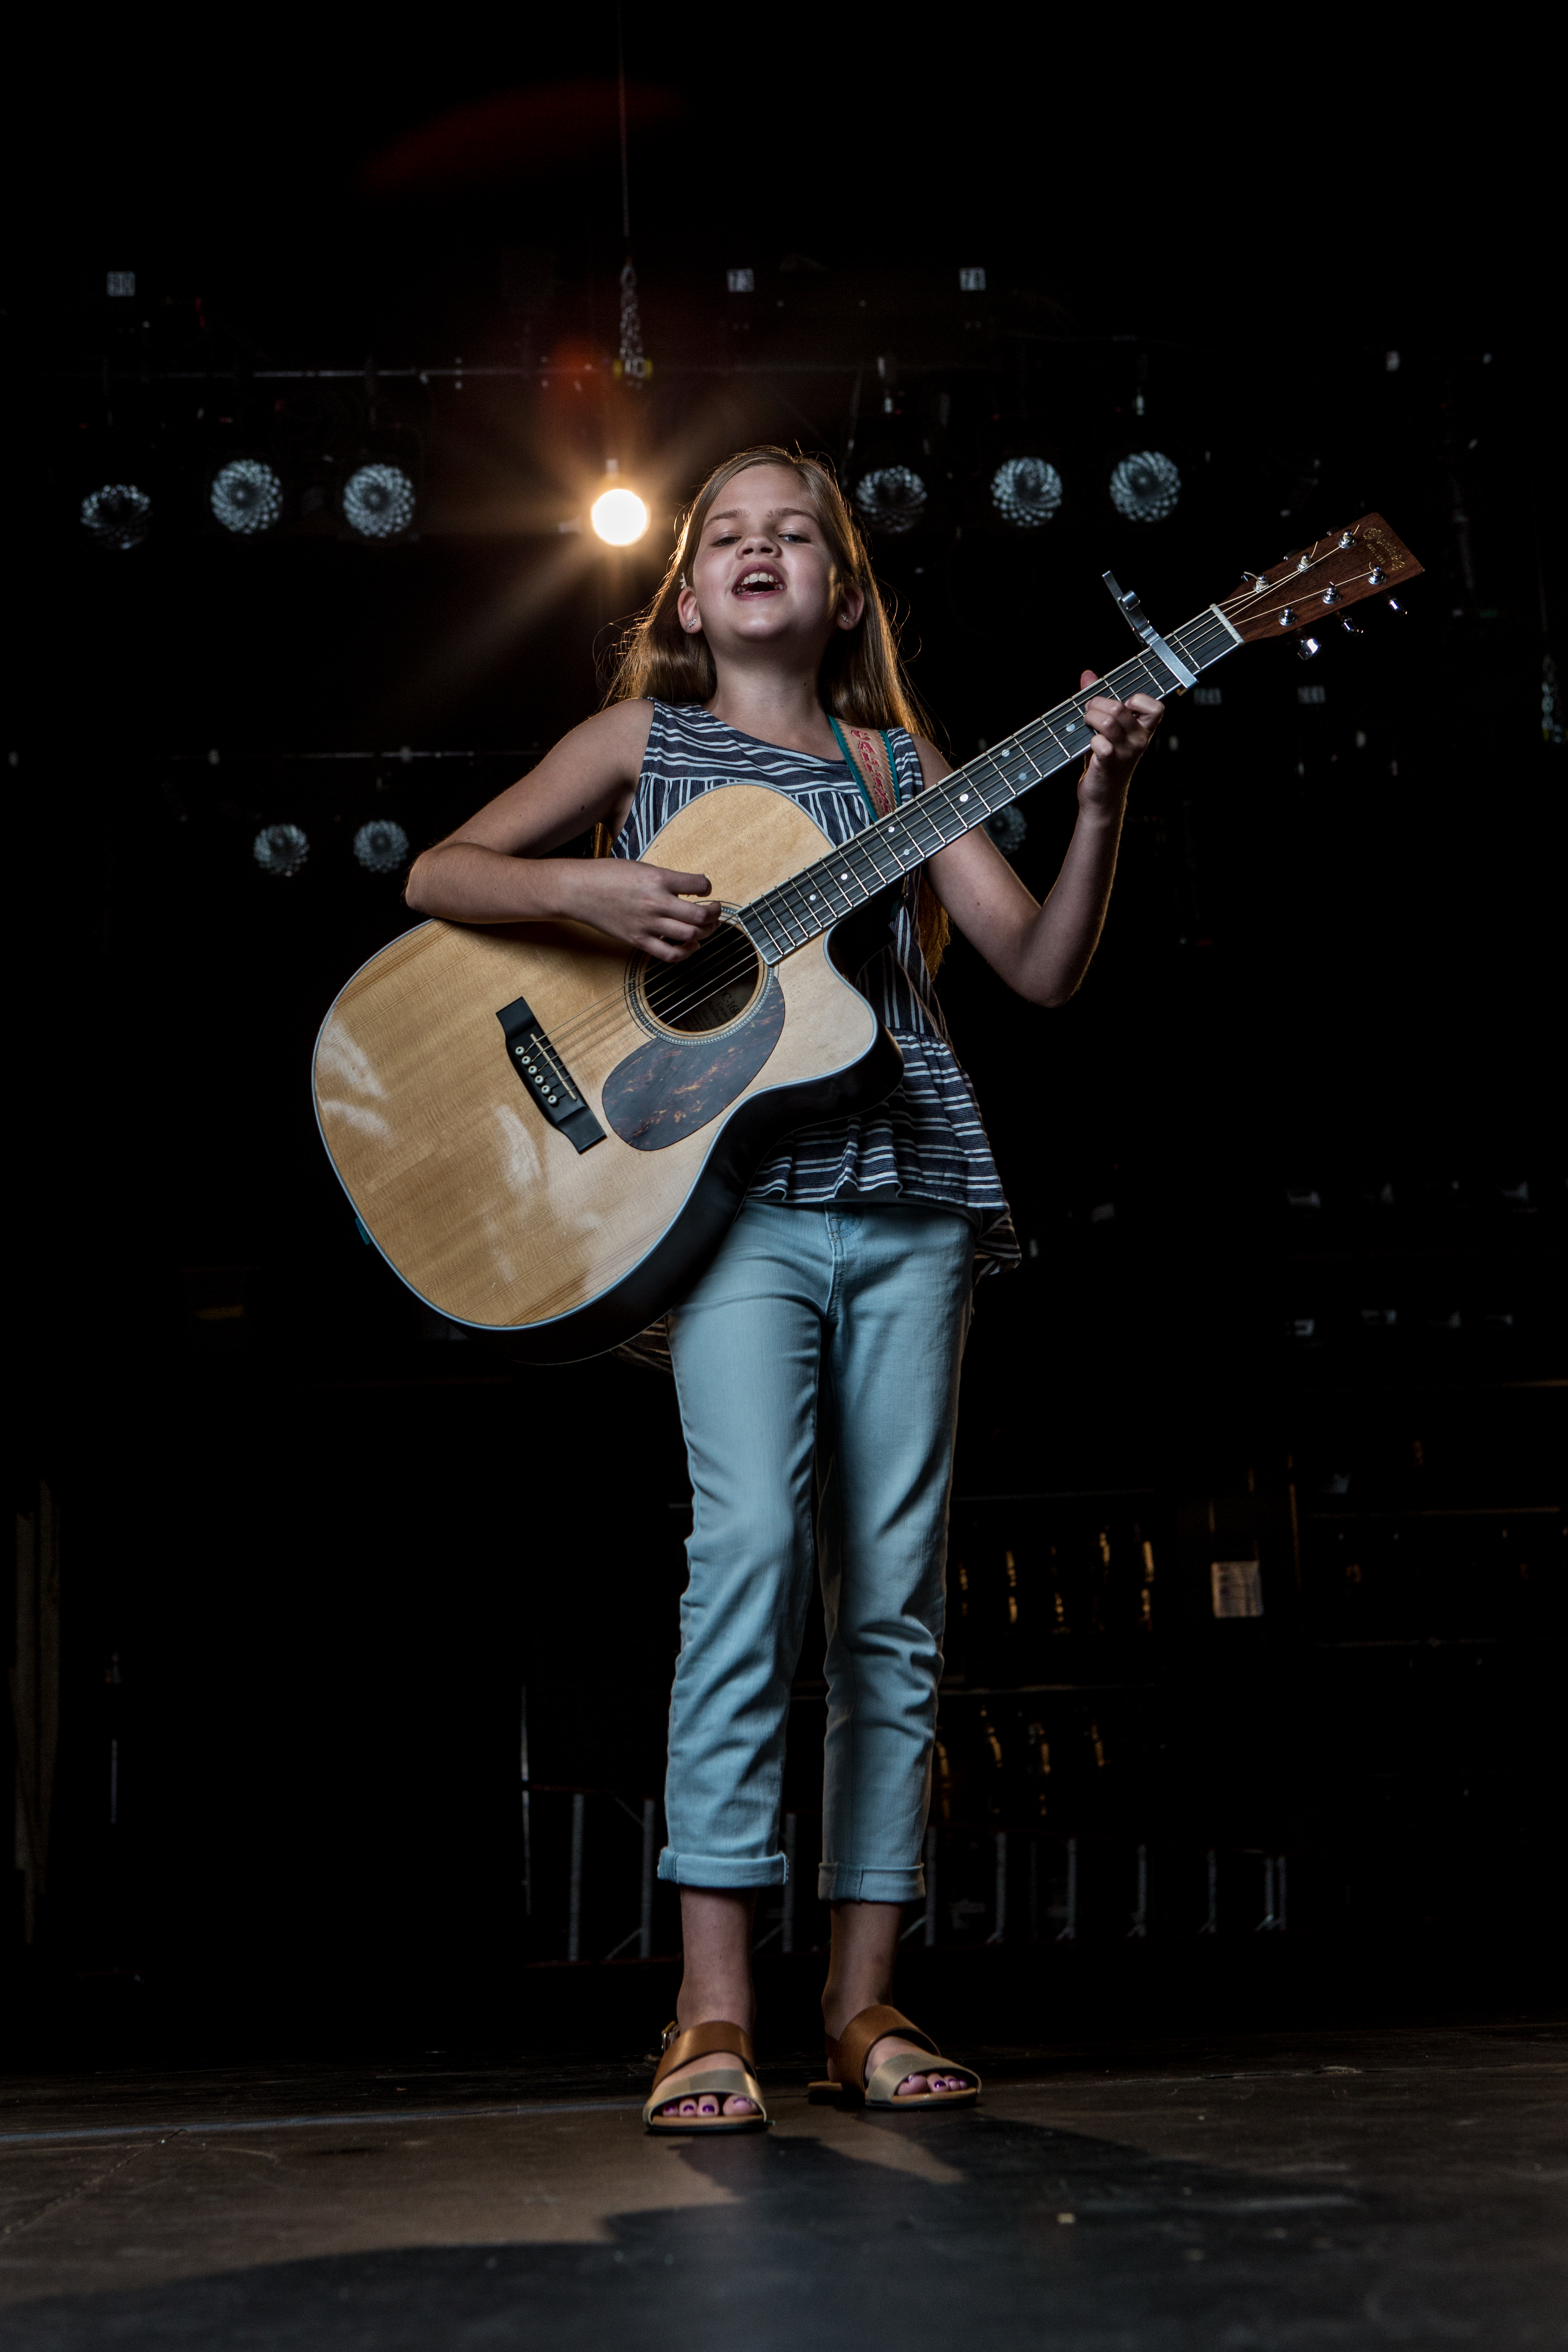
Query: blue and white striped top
point(926, 1141)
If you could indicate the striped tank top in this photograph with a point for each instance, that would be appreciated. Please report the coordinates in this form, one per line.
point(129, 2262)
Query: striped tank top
point(926, 1141)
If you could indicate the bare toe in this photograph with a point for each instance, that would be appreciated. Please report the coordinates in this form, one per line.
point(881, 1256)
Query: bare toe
point(738, 2107)
point(911, 2086)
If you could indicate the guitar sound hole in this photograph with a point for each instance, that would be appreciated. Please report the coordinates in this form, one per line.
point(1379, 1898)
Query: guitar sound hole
point(710, 990)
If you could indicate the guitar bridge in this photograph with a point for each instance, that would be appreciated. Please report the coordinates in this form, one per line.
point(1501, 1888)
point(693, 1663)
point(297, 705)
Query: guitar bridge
point(545, 1075)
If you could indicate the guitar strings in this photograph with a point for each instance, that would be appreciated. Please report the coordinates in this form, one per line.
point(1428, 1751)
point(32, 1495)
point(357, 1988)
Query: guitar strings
point(668, 1003)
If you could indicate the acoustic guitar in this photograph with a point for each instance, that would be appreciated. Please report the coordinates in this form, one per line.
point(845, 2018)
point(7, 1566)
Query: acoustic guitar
point(546, 1135)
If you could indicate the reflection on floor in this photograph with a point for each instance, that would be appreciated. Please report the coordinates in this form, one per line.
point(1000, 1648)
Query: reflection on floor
point(1331, 2188)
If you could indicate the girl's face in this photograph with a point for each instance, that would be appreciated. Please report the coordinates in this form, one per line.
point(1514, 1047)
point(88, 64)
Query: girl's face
point(764, 574)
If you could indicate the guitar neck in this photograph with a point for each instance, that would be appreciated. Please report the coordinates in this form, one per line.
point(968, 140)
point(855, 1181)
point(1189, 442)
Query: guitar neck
point(793, 912)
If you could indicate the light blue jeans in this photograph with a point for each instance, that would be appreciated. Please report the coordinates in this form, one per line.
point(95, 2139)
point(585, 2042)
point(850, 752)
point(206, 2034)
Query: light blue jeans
point(817, 1359)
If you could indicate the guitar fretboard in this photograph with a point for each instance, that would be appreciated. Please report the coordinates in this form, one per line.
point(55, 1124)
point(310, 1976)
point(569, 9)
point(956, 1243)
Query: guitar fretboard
point(797, 910)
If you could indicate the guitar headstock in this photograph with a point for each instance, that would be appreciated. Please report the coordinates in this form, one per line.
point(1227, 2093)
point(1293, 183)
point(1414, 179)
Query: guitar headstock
point(1316, 582)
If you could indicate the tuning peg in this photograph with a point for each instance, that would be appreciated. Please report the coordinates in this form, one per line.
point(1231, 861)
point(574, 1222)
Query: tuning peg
point(1308, 650)
point(1349, 628)
point(1394, 605)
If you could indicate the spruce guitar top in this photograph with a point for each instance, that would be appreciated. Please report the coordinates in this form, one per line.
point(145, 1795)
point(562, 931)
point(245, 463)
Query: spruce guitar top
point(547, 1135)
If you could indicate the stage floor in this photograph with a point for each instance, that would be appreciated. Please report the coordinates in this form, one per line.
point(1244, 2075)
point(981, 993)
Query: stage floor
point(1324, 2189)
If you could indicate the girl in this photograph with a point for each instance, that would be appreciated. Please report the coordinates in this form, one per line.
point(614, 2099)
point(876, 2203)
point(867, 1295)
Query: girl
point(816, 1359)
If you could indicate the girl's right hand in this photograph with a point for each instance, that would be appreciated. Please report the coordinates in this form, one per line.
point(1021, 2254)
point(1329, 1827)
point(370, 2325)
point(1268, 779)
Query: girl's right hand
point(642, 906)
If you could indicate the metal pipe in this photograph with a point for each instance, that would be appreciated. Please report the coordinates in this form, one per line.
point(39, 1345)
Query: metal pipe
point(999, 1933)
point(574, 1909)
point(930, 1936)
point(645, 1931)
point(1069, 1930)
point(527, 1818)
point(787, 1915)
point(1141, 1916)
point(1279, 1921)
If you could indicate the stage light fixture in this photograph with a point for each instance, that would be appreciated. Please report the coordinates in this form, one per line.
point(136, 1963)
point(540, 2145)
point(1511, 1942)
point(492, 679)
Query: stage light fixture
point(118, 514)
point(281, 849)
point(1025, 492)
point(246, 496)
point(381, 847)
point(1145, 487)
point(892, 499)
point(618, 516)
point(378, 501)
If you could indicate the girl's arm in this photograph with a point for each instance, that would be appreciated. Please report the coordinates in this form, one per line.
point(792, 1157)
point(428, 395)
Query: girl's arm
point(493, 869)
point(1043, 953)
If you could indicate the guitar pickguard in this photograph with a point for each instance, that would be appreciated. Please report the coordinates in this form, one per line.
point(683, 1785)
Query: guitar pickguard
point(673, 1086)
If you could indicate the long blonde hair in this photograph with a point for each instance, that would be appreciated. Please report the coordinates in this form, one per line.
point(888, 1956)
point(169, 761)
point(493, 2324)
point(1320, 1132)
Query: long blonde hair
point(861, 679)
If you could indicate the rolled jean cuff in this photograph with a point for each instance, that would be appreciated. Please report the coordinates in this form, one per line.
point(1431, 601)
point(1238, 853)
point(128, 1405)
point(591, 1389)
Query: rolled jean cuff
point(847, 1882)
point(723, 1873)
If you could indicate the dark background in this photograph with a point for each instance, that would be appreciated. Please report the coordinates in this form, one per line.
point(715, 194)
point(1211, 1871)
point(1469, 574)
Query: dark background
point(313, 1550)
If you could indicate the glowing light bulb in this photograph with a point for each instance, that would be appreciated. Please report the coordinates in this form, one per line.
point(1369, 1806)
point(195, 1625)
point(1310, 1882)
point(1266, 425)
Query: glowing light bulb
point(618, 517)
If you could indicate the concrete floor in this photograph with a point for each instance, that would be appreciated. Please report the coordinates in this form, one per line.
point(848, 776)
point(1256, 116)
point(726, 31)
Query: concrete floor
point(1329, 2188)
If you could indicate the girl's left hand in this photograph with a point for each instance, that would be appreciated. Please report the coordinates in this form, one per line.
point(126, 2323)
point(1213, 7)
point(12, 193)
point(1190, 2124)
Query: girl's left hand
point(1122, 733)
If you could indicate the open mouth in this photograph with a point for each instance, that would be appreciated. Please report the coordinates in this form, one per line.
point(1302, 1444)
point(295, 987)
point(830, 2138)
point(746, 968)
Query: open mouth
point(759, 582)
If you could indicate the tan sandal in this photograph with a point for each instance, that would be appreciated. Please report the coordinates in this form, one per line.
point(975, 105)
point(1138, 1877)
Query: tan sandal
point(735, 2080)
point(854, 2046)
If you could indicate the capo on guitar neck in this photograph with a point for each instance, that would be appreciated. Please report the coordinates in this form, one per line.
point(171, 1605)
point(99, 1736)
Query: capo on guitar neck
point(1141, 627)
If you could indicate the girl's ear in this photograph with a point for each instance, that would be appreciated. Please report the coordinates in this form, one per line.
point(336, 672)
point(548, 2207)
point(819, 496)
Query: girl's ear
point(851, 605)
point(690, 617)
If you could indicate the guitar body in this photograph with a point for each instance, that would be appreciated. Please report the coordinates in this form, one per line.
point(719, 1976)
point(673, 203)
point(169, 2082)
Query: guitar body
point(504, 1215)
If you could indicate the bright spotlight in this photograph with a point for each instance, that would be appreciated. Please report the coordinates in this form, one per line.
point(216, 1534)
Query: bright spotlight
point(893, 500)
point(381, 847)
point(119, 515)
point(281, 849)
point(619, 517)
point(1145, 487)
point(378, 501)
point(1025, 492)
point(246, 497)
